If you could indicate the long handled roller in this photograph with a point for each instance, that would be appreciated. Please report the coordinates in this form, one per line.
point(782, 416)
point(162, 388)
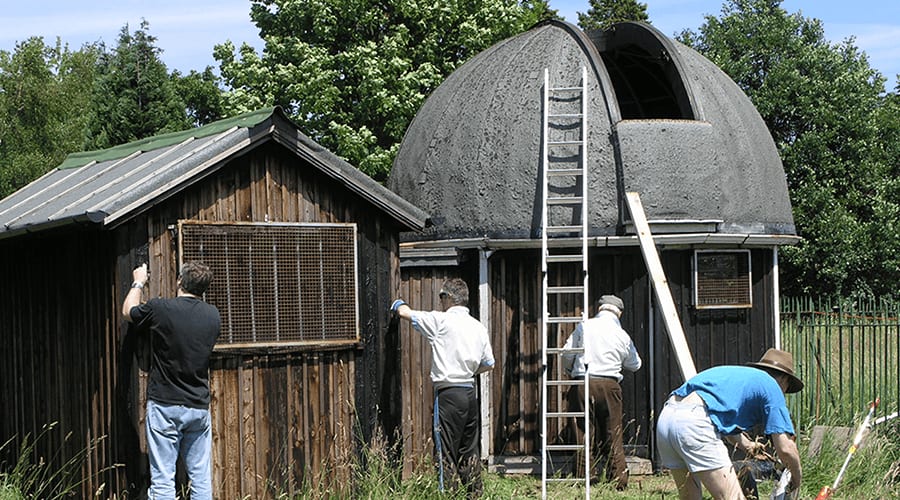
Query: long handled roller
point(827, 491)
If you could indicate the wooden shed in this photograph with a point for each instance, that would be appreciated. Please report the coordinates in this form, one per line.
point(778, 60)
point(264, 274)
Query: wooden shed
point(661, 121)
point(304, 248)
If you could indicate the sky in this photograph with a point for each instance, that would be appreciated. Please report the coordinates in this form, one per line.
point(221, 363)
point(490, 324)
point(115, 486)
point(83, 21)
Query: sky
point(186, 31)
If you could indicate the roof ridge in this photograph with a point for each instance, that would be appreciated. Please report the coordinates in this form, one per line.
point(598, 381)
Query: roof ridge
point(245, 120)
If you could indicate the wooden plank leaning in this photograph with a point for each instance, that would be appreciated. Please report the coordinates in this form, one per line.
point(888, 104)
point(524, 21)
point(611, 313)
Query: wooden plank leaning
point(661, 287)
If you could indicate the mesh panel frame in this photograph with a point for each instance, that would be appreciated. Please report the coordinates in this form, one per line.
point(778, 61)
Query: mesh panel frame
point(722, 279)
point(277, 284)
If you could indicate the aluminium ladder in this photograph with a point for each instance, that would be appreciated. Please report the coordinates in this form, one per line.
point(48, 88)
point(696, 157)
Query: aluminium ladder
point(564, 267)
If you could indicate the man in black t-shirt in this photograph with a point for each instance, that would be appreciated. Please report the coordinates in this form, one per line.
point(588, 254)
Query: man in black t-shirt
point(183, 331)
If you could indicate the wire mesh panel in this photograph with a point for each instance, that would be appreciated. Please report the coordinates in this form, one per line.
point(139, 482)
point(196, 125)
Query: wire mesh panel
point(278, 283)
point(722, 279)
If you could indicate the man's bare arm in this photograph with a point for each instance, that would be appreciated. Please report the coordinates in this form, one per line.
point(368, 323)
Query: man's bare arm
point(133, 298)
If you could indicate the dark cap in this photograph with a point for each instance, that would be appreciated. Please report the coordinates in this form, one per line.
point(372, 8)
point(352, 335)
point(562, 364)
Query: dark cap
point(613, 301)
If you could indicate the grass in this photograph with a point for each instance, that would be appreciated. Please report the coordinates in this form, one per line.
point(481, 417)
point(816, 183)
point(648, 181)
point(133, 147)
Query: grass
point(873, 473)
point(32, 476)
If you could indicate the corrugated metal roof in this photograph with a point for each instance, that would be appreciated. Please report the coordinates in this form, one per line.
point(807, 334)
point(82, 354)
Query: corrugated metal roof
point(110, 186)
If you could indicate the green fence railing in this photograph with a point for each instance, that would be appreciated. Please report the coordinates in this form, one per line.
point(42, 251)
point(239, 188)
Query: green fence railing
point(847, 355)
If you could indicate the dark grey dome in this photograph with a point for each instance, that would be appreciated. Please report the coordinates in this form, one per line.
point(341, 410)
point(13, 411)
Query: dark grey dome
point(662, 120)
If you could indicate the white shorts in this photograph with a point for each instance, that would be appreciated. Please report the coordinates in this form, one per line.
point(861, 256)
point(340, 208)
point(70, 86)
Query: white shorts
point(687, 439)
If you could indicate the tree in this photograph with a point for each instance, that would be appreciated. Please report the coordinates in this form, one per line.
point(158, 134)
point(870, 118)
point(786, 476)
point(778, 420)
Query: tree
point(201, 95)
point(823, 105)
point(354, 72)
point(44, 91)
point(605, 13)
point(134, 97)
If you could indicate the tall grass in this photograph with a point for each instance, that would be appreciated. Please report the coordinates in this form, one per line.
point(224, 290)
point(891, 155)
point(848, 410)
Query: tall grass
point(36, 476)
point(872, 473)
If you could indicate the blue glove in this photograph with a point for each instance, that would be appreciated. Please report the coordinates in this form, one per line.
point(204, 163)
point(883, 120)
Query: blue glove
point(396, 305)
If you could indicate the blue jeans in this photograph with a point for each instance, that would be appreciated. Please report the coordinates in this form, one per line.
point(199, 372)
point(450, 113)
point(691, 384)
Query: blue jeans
point(174, 429)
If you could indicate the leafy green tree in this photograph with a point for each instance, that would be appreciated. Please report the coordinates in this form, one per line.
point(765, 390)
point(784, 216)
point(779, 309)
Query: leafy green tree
point(44, 91)
point(823, 105)
point(605, 13)
point(354, 72)
point(134, 97)
point(199, 91)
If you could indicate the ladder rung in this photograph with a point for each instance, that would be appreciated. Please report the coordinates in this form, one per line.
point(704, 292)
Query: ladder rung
point(565, 89)
point(566, 447)
point(574, 172)
point(563, 229)
point(564, 319)
point(562, 143)
point(561, 414)
point(565, 383)
point(562, 350)
point(564, 115)
point(564, 258)
point(564, 200)
point(565, 289)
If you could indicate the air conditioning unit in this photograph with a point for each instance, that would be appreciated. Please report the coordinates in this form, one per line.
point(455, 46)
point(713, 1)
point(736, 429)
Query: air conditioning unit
point(722, 279)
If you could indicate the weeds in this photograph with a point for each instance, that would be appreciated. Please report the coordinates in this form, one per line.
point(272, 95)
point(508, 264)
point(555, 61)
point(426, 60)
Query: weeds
point(872, 473)
point(34, 476)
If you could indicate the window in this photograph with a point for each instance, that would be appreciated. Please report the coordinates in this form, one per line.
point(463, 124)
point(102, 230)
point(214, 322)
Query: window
point(722, 279)
point(278, 284)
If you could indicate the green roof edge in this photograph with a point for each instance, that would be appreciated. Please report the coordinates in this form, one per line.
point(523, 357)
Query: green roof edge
point(245, 120)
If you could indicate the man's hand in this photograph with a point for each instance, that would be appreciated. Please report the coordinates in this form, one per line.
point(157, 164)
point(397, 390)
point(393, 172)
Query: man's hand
point(753, 448)
point(140, 274)
point(757, 451)
point(133, 298)
point(401, 309)
point(790, 457)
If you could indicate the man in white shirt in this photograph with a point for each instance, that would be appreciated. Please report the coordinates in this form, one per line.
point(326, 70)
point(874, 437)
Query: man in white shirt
point(460, 349)
point(609, 350)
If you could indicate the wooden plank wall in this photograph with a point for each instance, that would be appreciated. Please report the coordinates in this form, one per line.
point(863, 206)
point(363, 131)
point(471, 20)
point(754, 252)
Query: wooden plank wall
point(716, 336)
point(516, 311)
point(58, 356)
point(419, 289)
point(280, 421)
point(285, 419)
point(515, 282)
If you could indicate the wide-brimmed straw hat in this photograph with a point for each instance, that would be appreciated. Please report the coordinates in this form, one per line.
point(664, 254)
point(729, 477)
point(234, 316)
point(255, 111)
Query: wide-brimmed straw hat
point(783, 362)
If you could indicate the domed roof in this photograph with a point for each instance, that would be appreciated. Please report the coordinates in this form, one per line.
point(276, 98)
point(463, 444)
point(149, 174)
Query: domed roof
point(662, 121)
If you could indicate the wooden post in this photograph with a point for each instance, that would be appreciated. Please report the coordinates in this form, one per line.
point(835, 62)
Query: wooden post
point(661, 287)
point(485, 383)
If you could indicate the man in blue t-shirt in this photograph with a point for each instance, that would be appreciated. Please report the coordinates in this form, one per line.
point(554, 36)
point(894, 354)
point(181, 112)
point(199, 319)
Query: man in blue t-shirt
point(725, 401)
point(183, 331)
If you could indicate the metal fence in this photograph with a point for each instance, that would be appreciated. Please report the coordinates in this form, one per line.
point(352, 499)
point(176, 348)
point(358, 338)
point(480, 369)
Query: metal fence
point(847, 355)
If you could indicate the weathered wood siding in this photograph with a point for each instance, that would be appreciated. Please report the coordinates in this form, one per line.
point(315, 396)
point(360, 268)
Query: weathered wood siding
point(515, 282)
point(420, 290)
point(59, 357)
point(281, 418)
point(715, 337)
